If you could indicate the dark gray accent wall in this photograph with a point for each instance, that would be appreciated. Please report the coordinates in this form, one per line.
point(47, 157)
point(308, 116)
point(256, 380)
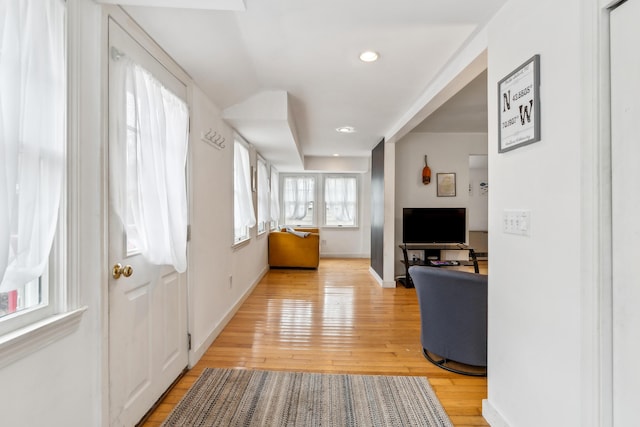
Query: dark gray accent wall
point(377, 208)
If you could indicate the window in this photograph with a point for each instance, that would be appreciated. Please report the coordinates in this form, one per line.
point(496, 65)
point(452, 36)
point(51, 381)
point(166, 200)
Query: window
point(263, 196)
point(243, 214)
point(298, 200)
point(33, 118)
point(338, 194)
point(152, 179)
point(341, 201)
point(275, 198)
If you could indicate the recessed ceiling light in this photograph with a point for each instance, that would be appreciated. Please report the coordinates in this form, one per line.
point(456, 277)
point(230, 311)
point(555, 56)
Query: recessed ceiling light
point(369, 56)
point(346, 129)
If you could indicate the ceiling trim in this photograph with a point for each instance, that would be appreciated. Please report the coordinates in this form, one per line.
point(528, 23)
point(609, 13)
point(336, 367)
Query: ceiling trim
point(236, 5)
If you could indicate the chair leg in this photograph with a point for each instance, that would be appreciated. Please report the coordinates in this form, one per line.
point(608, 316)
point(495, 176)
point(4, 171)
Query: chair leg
point(442, 363)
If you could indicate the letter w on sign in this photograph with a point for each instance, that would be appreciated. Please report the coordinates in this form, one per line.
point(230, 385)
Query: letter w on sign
point(525, 112)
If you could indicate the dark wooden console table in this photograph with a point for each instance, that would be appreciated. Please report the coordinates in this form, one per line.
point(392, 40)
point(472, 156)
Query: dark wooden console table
point(431, 252)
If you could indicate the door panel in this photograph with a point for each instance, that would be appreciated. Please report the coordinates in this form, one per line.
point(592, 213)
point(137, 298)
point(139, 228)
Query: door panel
point(147, 311)
point(173, 337)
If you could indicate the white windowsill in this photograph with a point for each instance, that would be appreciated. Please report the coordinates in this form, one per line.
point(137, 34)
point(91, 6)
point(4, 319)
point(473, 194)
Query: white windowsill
point(241, 243)
point(18, 344)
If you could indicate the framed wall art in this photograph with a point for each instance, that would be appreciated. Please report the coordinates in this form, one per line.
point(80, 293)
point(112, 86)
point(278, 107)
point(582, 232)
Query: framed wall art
point(446, 184)
point(519, 106)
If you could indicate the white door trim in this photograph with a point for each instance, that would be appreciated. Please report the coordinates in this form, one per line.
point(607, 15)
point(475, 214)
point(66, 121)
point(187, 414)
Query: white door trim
point(596, 243)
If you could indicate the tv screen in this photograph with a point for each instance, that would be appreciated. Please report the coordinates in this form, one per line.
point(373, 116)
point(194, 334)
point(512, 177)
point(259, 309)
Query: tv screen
point(434, 225)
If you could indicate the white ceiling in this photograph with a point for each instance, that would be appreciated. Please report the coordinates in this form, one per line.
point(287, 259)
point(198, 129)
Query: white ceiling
point(309, 49)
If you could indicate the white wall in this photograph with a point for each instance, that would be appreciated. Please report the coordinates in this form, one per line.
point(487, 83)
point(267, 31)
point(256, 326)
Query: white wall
point(60, 384)
point(534, 282)
point(220, 275)
point(209, 262)
point(249, 260)
point(447, 152)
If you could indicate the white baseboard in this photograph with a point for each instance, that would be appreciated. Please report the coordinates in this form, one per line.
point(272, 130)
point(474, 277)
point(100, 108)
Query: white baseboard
point(342, 255)
point(198, 350)
point(375, 275)
point(387, 284)
point(381, 282)
point(493, 417)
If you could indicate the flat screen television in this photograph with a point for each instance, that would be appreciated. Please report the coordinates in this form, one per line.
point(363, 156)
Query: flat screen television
point(434, 225)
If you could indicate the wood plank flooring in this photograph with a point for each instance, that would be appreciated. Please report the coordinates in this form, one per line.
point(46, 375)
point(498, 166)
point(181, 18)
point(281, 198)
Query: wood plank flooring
point(333, 320)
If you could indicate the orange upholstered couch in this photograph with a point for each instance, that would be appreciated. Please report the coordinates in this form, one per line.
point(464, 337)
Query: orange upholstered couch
point(288, 250)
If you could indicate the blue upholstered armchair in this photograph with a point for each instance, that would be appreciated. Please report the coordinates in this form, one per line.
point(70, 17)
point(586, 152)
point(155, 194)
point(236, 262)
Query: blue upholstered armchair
point(453, 316)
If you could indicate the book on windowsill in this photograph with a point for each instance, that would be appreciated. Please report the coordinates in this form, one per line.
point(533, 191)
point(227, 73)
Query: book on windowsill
point(443, 263)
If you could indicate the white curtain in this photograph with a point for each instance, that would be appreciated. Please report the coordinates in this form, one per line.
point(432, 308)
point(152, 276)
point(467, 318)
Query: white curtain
point(263, 194)
point(340, 197)
point(152, 132)
point(275, 197)
point(243, 213)
point(298, 193)
point(32, 128)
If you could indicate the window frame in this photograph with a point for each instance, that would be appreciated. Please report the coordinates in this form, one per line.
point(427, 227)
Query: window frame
point(357, 200)
point(49, 280)
point(41, 326)
point(314, 216)
point(263, 226)
point(49, 292)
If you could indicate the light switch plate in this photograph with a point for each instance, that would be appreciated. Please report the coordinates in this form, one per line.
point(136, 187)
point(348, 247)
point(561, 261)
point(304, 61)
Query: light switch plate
point(516, 221)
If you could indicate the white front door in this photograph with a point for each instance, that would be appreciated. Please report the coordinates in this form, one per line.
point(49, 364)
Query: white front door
point(625, 112)
point(147, 311)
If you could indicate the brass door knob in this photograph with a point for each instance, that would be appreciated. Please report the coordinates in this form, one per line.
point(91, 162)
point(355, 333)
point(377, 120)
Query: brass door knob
point(118, 270)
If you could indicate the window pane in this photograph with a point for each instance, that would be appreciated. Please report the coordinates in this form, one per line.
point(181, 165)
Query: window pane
point(299, 200)
point(132, 237)
point(30, 295)
point(341, 201)
point(33, 110)
point(152, 176)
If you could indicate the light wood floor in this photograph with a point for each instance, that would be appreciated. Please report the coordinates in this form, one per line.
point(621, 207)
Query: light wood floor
point(334, 320)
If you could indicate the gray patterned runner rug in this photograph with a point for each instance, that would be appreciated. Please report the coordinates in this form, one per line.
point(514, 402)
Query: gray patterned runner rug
point(237, 397)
